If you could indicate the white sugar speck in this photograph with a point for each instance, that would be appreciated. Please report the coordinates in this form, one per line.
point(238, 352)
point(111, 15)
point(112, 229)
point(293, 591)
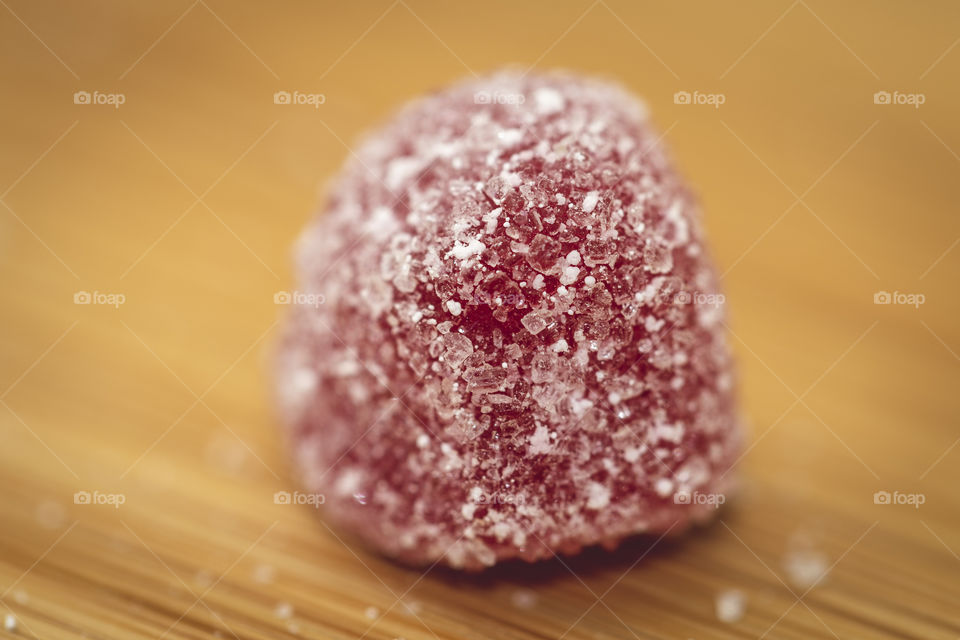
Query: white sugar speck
point(414, 607)
point(570, 275)
point(263, 574)
point(580, 406)
point(805, 567)
point(540, 441)
point(598, 496)
point(590, 201)
point(510, 136)
point(523, 598)
point(203, 579)
point(400, 170)
point(371, 613)
point(283, 610)
point(548, 100)
point(533, 323)
point(663, 487)
point(464, 251)
point(730, 606)
point(454, 307)
point(10, 622)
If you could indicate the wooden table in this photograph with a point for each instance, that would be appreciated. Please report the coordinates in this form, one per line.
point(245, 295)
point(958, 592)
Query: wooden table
point(181, 185)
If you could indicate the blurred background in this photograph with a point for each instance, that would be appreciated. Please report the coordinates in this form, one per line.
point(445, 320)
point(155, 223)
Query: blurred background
point(150, 190)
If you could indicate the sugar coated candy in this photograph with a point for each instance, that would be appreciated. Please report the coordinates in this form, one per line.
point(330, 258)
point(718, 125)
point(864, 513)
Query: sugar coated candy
point(507, 339)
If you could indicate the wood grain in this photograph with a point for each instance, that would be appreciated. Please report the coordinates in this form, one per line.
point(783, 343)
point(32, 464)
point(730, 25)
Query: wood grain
point(187, 197)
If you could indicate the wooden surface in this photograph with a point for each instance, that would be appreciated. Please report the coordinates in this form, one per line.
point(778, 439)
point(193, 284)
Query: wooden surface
point(186, 199)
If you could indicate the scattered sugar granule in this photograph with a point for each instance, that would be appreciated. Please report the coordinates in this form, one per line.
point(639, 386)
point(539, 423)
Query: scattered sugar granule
point(371, 613)
point(730, 605)
point(523, 598)
point(283, 610)
point(414, 607)
point(805, 567)
point(264, 574)
point(203, 579)
point(10, 622)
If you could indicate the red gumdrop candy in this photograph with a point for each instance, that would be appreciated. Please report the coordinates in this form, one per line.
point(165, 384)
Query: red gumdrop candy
point(510, 341)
